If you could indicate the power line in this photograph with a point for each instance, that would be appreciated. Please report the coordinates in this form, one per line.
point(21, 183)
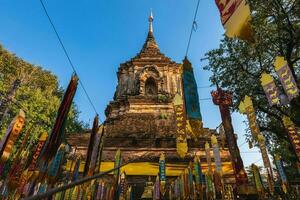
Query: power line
point(67, 55)
point(205, 99)
point(207, 86)
point(192, 28)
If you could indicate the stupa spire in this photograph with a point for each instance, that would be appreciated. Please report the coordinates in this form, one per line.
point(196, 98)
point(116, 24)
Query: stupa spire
point(150, 19)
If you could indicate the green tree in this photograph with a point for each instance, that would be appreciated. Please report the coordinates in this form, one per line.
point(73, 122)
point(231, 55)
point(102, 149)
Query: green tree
point(39, 95)
point(237, 65)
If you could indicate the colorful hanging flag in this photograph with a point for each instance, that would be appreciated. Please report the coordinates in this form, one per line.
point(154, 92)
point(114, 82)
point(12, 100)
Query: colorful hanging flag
point(36, 154)
point(257, 179)
point(279, 166)
point(191, 99)
point(156, 193)
point(58, 131)
point(123, 186)
point(95, 151)
point(208, 158)
point(266, 161)
point(286, 78)
point(92, 142)
point(55, 165)
point(191, 180)
point(246, 107)
point(11, 135)
point(181, 141)
point(217, 157)
point(199, 177)
point(235, 17)
point(270, 89)
point(162, 172)
point(117, 164)
point(293, 134)
point(99, 157)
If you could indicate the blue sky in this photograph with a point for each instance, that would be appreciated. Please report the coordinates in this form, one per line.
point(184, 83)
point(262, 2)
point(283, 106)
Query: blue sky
point(99, 35)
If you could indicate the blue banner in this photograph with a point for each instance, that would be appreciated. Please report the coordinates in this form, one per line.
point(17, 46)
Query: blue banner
point(190, 92)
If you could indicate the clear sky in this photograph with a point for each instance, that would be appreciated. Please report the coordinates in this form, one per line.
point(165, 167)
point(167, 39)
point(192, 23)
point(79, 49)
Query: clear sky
point(99, 35)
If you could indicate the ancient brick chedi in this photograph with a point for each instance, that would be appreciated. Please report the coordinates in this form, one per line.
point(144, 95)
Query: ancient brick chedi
point(140, 120)
point(142, 105)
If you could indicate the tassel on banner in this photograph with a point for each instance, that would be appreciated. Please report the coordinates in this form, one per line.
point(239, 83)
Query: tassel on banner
point(286, 78)
point(236, 17)
point(181, 141)
point(270, 89)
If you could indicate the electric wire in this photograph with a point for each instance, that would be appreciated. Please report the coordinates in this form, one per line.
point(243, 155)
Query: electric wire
point(67, 55)
point(192, 28)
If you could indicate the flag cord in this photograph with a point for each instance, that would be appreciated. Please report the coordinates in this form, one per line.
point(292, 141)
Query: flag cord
point(192, 28)
point(67, 55)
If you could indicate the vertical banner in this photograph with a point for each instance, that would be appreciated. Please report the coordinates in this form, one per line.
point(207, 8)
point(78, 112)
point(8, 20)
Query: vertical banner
point(293, 135)
point(181, 141)
point(58, 130)
point(208, 158)
point(199, 177)
point(156, 193)
point(246, 107)
point(270, 89)
point(286, 78)
point(92, 143)
point(11, 135)
point(95, 151)
point(235, 17)
point(55, 165)
point(281, 173)
point(266, 161)
point(191, 99)
point(162, 172)
point(216, 152)
point(257, 180)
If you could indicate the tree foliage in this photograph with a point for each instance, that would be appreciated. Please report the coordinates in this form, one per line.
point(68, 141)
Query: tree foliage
point(237, 65)
point(39, 95)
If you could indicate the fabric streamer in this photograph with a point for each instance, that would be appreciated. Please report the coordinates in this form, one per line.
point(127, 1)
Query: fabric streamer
point(92, 143)
point(199, 178)
point(281, 172)
point(236, 17)
point(191, 99)
point(55, 165)
point(156, 193)
point(246, 107)
point(58, 131)
point(181, 141)
point(208, 158)
point(257, 180)
point(162, 172)
point(191, 180)
point(293, 135)
point(11, 135)
point(286, 78)
point(270, 89)
point(95, 151)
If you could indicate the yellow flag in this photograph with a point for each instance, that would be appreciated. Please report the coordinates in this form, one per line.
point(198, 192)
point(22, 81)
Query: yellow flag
point(235, 16)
